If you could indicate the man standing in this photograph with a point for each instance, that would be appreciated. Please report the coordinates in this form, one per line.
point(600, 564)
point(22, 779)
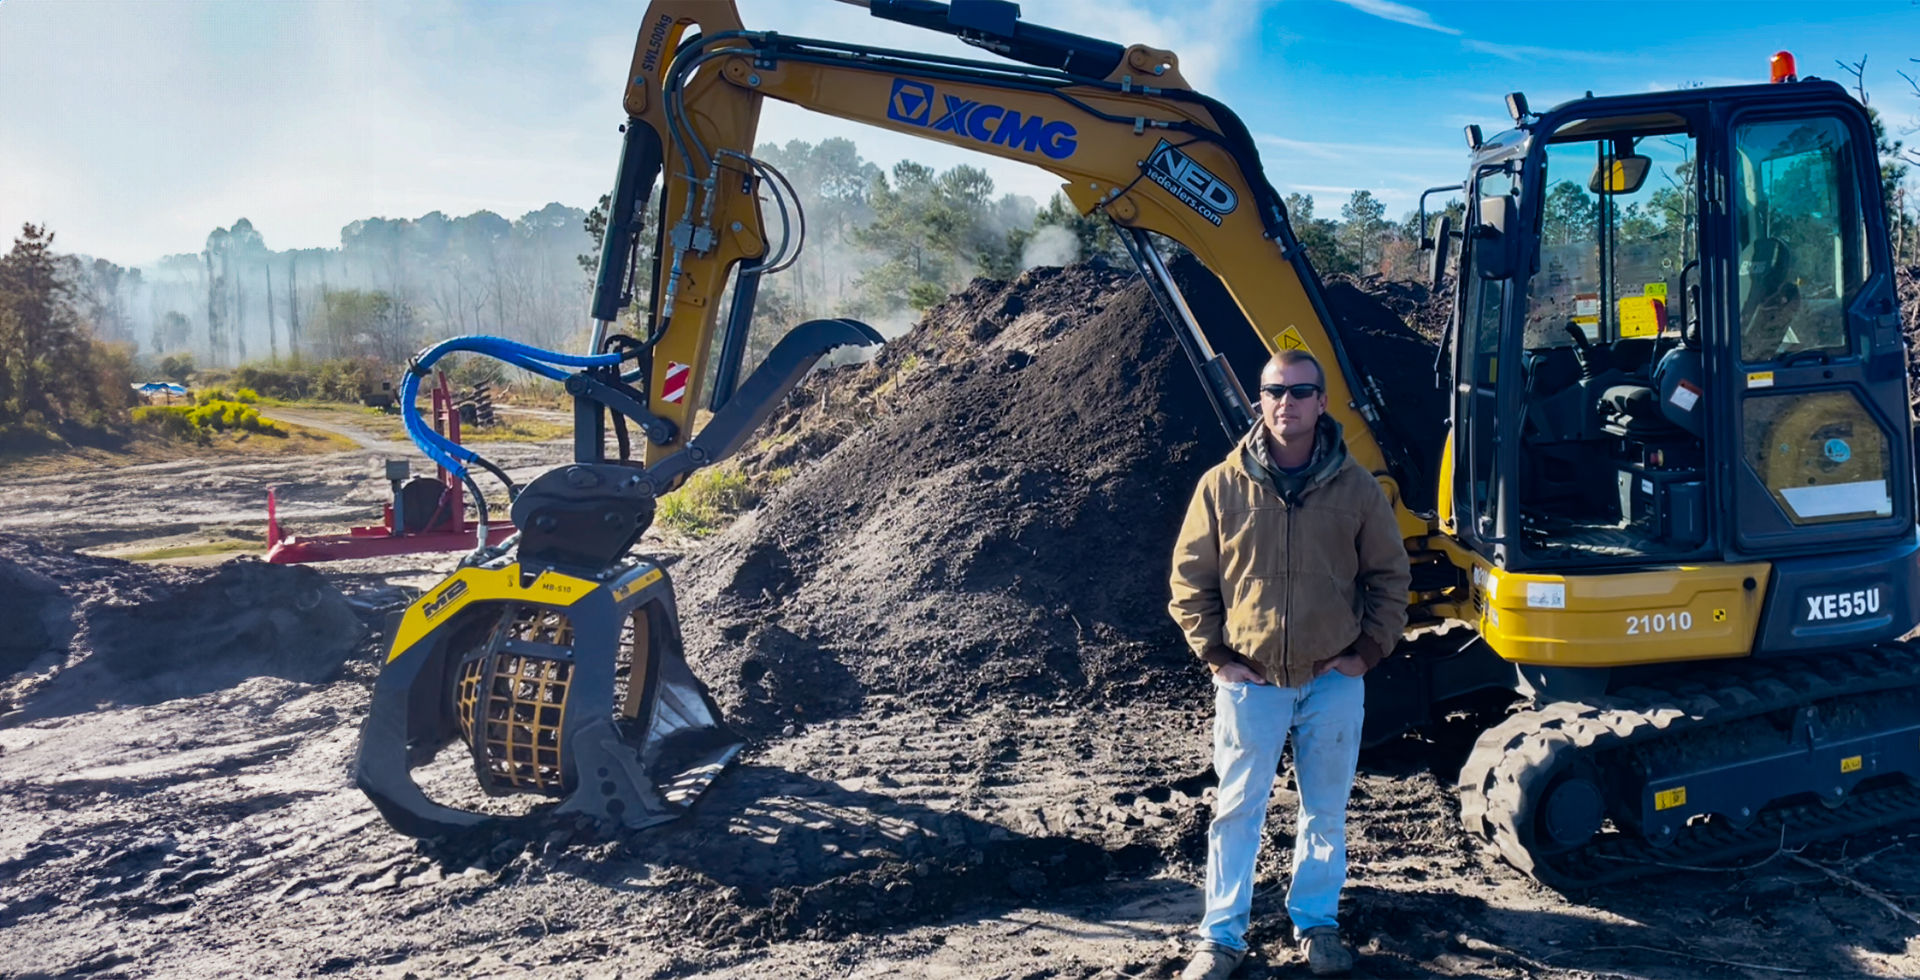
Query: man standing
point(1290, 582)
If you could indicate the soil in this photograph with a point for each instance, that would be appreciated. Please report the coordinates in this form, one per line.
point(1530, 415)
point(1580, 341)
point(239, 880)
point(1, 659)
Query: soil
point(976, 748)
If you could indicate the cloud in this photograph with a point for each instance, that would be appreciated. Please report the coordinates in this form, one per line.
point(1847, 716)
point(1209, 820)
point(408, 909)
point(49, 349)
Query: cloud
point(1399, 13)
point(1529, 52)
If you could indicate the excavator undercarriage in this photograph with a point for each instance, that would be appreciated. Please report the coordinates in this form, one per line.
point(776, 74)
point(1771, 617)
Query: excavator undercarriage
point(1714, 764)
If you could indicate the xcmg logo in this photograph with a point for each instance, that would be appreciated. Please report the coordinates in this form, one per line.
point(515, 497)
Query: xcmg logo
point(915, 103)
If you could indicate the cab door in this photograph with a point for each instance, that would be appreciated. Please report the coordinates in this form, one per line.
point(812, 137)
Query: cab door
point(1479, 497)
point(1814, 351)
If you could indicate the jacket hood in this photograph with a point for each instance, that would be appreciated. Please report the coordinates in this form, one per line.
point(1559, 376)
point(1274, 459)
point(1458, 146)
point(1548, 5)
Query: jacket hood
point(1329, 455)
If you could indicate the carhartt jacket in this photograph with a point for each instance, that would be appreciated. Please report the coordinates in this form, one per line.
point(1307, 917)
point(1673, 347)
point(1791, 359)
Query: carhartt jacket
point(1286, 582)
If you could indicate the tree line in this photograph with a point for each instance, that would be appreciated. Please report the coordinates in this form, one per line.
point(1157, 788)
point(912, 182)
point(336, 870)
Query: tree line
point(882, 244)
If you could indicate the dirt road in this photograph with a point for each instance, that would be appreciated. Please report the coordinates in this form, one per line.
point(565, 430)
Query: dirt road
point(218, 834)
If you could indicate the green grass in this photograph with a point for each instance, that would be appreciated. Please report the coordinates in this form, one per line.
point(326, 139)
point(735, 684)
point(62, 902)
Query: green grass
point(518, 430)
point(196, 550)
point(707, 502)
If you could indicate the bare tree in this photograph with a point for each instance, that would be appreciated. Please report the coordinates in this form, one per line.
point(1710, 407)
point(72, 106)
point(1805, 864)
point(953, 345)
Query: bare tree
point(1859, 72)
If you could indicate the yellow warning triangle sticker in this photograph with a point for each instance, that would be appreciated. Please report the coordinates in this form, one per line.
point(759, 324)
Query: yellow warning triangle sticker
point(1290, 339)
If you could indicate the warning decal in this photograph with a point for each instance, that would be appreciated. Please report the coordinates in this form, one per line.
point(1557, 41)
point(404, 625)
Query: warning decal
point(675, 388)
point(1290, 339)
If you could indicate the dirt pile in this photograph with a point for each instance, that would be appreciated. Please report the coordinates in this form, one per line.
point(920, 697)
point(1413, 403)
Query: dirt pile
point(1421, 309)
point(79, 632)
point(984, 510)
point(1391, 330)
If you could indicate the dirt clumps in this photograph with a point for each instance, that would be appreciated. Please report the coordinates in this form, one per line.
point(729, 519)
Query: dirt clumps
point(81, 632)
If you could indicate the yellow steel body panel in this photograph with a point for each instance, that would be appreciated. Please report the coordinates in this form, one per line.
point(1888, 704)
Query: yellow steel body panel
point(470, 585)
point(1618, 619)
point(722, 116)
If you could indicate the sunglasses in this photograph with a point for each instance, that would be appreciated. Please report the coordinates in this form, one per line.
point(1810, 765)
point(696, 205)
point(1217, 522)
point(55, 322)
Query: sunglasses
point(1300, 392)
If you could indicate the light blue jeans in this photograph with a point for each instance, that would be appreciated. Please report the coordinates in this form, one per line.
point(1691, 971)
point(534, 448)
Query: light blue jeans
point(1251, 723)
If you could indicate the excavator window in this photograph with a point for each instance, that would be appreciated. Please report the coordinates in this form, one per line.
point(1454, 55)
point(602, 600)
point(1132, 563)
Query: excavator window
point(1801, 238)
point(1479, 371)
point(1598, 248)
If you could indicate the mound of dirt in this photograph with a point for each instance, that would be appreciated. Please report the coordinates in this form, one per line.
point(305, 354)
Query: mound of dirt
point(79, 632)
point(984, 511)
point(1398, 360)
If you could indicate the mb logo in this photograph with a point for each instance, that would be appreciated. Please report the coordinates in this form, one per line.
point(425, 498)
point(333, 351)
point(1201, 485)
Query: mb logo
point(912, 102)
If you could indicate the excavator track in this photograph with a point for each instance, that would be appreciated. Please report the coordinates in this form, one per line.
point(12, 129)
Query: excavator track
point(1708, 712)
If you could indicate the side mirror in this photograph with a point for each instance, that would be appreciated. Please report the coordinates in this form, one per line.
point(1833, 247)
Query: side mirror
point(1495, 252)
point(1619, 175)
point(1441, 243)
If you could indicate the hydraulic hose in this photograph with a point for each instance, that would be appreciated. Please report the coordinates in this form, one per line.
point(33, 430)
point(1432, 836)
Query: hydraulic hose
point(450, 455)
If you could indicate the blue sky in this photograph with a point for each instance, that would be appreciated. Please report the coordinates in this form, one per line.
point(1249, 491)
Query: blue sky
point(134, 128)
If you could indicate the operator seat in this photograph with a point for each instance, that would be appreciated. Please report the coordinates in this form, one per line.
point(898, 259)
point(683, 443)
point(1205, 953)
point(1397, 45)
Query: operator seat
point(1673, 404)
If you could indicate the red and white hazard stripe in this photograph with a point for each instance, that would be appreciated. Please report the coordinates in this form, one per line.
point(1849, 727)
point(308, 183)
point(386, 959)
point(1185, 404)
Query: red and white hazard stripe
point(675, 387)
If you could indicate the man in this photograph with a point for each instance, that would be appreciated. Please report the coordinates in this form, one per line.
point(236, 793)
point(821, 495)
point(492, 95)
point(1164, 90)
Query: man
point(1290, 582)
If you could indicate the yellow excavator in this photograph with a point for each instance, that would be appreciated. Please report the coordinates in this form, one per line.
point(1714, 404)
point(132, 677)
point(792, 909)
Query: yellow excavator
point(1674, 511)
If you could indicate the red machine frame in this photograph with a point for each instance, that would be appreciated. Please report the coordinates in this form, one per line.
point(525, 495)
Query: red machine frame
point(388, 538)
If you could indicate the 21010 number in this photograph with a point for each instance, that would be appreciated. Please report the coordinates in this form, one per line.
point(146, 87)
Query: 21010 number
point(1659, 623)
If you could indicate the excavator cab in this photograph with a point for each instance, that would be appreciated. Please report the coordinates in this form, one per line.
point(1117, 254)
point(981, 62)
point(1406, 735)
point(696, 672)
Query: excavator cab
point(1694, 293)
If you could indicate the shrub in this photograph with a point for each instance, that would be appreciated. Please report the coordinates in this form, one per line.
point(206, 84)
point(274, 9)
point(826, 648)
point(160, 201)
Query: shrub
point(197, 422)
point(336, 380)
point(274, 382)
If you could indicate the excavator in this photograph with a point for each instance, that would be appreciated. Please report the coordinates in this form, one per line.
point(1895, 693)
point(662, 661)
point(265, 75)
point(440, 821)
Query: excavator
point(1671, 523)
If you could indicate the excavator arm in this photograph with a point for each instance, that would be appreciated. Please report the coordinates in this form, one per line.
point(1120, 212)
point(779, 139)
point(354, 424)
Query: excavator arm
point(1121, 127)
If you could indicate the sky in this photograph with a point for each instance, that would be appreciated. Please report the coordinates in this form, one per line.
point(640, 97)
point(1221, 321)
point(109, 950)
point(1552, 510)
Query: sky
point(132, 128)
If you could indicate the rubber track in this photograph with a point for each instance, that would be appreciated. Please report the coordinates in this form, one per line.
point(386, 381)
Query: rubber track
point(1512, 763)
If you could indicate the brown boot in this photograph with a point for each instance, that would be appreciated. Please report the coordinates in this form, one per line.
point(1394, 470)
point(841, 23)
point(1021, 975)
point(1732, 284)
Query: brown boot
point(1327, 955)
point(1213, 962)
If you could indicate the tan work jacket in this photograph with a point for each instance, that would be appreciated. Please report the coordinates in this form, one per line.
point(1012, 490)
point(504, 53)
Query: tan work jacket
point(1286, 586)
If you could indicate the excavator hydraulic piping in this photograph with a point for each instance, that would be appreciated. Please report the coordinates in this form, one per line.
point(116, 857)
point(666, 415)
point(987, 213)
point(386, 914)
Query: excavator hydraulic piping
point(1229, 400)
point(640, 159)
point(733, 338)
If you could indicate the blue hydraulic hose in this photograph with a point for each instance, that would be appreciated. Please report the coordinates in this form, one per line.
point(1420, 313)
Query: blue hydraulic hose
point(444, 451)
